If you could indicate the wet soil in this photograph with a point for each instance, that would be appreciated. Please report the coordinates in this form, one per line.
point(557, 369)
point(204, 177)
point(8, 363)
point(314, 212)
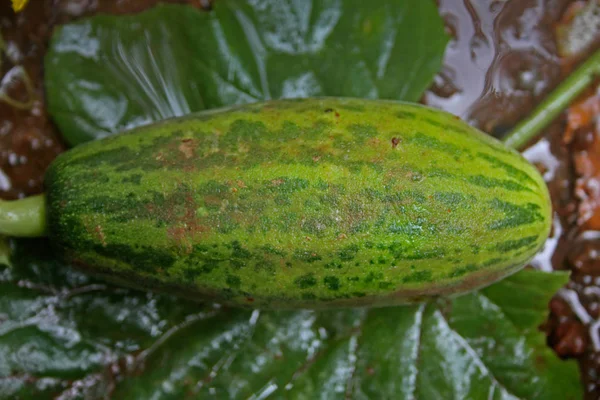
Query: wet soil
point(501, 62)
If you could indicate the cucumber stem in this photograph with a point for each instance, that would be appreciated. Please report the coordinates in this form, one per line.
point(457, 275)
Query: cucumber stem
point(555, 103)
point(24, 217)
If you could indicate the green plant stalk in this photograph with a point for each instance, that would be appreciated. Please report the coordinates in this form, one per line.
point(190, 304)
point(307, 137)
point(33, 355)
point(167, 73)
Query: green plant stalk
point(554, 103)
point(23, 218)
point(27, 217)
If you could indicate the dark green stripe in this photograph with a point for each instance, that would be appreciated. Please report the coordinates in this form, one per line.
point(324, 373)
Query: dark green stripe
point(516, 215)
point(511, 170)
point(488, 183)
point(406, 115)
point(516, 244)
point(430, 142)
point(418, 277)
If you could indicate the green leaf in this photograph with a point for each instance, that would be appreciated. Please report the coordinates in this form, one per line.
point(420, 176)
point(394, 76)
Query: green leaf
point(65, 333)
point(107, 73)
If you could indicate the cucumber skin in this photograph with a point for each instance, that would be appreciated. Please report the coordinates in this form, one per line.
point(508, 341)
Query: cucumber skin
point(312, 203)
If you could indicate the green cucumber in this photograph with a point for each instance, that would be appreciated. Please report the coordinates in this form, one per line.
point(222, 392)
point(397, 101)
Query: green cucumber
point(300, 203)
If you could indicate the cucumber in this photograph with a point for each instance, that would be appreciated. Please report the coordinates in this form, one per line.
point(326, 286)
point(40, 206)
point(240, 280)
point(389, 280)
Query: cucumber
point(303, 203)
point(315, 203)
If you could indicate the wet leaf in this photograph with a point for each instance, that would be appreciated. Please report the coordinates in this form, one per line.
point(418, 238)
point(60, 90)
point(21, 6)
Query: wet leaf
point(582, 135)
point(63, 333)
point(108, 73)
point(578, 29)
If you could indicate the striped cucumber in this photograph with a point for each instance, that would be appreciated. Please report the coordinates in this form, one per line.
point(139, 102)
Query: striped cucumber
point(308, 203)
point(299, 203)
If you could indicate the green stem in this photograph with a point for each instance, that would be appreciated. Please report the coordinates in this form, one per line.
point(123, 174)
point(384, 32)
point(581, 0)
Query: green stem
point(25, 217)
point(555, 103)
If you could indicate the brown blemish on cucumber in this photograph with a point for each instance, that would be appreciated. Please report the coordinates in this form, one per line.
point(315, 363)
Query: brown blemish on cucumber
point(187, 148)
